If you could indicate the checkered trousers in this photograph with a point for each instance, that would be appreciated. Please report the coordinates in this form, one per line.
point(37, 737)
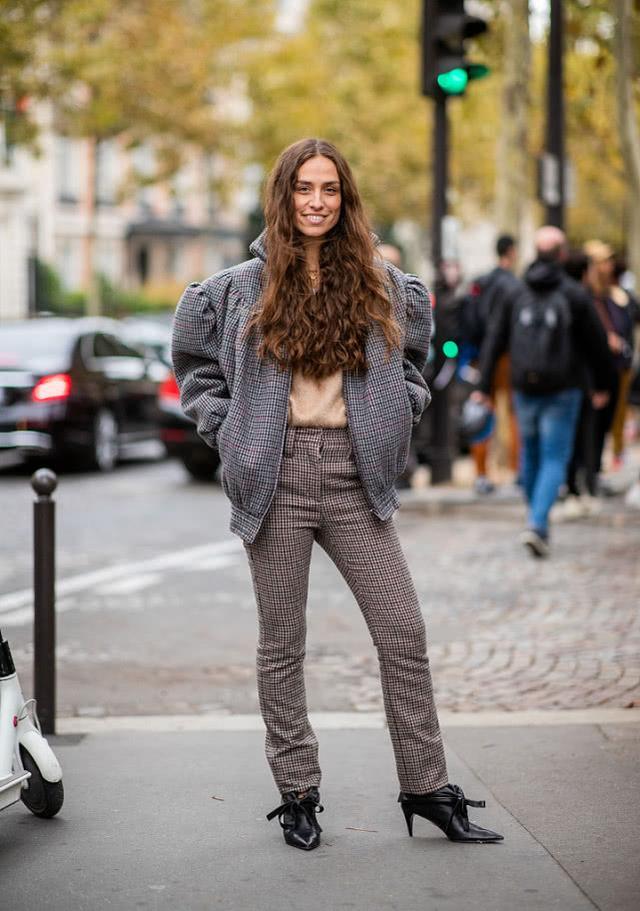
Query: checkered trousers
point(319, 497)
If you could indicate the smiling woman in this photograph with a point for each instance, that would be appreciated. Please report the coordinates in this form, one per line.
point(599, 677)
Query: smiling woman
point(304, 366)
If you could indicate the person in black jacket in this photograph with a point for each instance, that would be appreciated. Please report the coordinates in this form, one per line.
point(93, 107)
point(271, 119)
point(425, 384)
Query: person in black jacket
point(582, 485)
point(551, 331)
point(476, 307)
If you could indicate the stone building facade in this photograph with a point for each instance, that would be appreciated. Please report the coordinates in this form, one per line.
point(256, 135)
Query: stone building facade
point(77, 207)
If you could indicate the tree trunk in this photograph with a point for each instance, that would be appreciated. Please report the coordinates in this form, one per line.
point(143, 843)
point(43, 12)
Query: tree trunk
point(513, 190)
point(628, 126)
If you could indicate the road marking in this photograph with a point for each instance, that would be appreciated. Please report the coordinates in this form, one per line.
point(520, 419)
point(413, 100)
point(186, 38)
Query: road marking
point(128, 585)
point(340, 721)
point(222, 553)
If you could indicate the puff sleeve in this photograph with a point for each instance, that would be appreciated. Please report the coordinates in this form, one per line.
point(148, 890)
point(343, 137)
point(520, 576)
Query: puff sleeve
point(204, 395)
point(416, 344)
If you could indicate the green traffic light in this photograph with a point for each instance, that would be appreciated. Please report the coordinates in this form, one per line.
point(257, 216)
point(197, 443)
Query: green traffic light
point(450, 349)
point(453, 82)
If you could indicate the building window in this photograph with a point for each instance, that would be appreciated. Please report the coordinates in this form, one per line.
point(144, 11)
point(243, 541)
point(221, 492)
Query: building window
point(108, 259)
point(175, 259)
point(180, 187)
point(143, 161)
point(69, 262)
point(106, 172)
point(67, 169)
point(142, 264)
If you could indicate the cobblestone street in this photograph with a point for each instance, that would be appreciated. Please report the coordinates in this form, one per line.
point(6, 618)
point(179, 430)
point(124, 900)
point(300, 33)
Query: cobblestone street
point(510, 633)
point(160, 618)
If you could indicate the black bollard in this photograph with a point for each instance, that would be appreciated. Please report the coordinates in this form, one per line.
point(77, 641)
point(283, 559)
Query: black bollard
point(44, 482)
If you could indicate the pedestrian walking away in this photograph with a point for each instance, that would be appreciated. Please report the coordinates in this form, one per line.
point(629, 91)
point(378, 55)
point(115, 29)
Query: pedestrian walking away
point(581, 480)
point(550, 329)
point(303, 366)
point(477, 308)
point(616, 311)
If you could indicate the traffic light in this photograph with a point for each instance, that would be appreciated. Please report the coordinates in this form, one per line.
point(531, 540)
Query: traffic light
point(445, 29)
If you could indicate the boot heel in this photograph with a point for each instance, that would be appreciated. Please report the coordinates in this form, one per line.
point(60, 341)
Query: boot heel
point(446, 808)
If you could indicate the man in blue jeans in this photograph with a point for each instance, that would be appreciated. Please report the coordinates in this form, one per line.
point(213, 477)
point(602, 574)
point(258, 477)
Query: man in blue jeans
point(553, 336)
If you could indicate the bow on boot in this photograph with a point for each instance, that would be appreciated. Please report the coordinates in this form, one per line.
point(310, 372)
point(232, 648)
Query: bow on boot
point(297, 816)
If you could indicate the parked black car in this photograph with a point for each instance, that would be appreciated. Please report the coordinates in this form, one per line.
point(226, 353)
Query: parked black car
point(75, 390)
point(151, 332)
point(179, 435)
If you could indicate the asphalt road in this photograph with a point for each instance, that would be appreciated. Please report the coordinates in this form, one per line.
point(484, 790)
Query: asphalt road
point(156, 611)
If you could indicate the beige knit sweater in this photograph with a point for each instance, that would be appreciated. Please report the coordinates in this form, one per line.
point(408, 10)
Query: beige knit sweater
point(317, 403)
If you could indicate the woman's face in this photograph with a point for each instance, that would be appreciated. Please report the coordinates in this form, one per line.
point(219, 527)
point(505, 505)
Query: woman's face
point(316, 197)
point(605, 270)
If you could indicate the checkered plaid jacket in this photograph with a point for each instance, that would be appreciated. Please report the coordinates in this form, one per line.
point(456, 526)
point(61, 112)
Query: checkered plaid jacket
point(240, 402)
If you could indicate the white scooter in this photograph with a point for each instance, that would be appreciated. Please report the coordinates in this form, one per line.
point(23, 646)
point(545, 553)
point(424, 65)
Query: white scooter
point(29, 770)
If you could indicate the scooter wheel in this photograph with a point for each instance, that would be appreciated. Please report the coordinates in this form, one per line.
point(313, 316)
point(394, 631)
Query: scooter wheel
point(43, 798)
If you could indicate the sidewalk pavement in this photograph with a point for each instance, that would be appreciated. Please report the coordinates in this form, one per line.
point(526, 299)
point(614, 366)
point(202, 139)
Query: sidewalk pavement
point(459, 492)
point(171, 815)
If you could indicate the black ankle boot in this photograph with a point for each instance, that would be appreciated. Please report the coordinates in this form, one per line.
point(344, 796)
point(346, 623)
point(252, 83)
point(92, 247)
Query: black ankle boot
point(447, 809)
point(297, 816)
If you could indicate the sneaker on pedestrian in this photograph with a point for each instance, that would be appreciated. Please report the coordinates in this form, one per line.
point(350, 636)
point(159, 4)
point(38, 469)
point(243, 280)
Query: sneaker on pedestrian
point(483, 486)
point(606, 487)
point(591, 506)
point(569, 509)
point(632, 498)
point(537, 542)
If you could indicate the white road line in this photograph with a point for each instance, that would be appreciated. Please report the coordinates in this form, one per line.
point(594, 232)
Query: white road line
point(174, 559)
point(128, 585)
point(204, 564)
point(340, 721)
point(24, 615)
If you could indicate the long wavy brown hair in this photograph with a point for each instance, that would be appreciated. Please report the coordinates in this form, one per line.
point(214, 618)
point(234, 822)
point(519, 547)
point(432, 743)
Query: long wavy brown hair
point(324, 331)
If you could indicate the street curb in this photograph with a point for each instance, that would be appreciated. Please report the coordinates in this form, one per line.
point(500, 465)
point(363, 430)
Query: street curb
point(340, 721)
point(433, 502)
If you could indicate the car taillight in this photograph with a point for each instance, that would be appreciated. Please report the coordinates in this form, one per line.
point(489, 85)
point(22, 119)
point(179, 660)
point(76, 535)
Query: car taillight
point(169, 388)
point(50, 388)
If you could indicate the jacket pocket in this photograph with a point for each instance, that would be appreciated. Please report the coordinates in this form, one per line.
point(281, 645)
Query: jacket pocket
point(403, 450)
point(225, 450)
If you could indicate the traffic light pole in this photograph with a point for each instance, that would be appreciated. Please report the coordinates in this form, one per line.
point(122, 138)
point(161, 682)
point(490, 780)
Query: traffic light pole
point(555, 113)
point(445, 70)
point(440, 169)
point(441, 461)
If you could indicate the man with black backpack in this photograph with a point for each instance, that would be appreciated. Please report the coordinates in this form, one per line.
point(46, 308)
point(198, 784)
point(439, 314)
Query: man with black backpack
point(550, 329)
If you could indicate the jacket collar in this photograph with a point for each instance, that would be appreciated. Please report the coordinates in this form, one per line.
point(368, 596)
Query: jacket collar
point(258, 247)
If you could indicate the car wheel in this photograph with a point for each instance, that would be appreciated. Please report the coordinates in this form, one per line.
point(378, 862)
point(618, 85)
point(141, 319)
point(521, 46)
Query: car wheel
point(202, 465)
point(104, 450)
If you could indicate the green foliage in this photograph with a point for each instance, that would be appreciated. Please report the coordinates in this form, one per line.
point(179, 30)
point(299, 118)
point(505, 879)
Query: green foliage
point(352, 76)
point(52, 297)
point(176, 73)
point(148, 69)
point(116, 302)
point(23, 23)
